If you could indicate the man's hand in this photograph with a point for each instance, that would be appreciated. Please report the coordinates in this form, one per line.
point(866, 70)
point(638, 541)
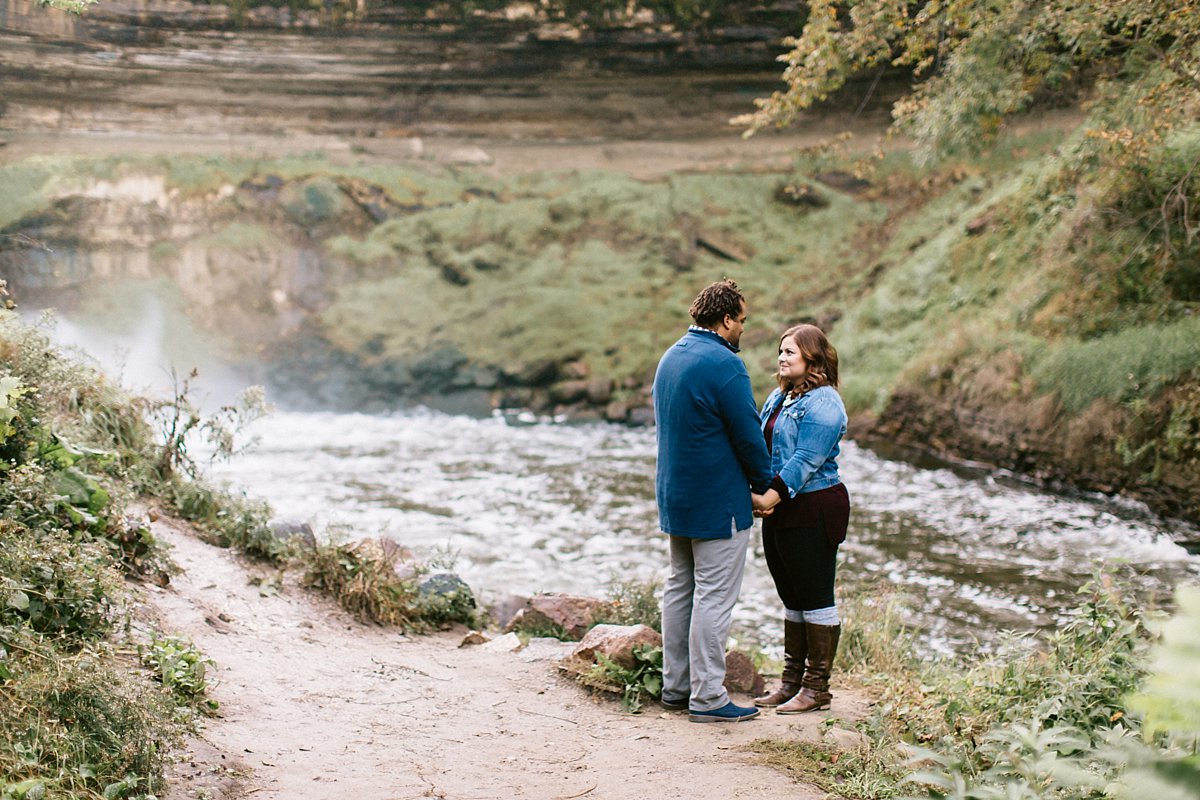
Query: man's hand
point(764, 504)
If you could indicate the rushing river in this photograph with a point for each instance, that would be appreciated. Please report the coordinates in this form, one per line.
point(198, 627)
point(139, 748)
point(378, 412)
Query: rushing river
point(525, 506)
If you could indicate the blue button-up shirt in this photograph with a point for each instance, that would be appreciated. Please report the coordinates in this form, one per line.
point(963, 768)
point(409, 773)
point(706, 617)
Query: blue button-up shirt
point(710, 446)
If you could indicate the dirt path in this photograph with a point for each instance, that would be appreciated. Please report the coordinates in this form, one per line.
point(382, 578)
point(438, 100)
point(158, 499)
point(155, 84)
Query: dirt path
point(315, 705)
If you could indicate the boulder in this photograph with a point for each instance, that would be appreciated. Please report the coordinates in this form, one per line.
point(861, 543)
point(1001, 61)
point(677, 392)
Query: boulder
point(641, 416)
point(616, 642)
point(286, 530)
point(504, 609)
point(576, 370)
point(544, 648)
point(474, 637)
point(571, 391)
point(599, 391)
point(616, 411)
point(447, 586)
point(573, 613)
point(508, 643)
point(741, 676)
point(540, 372)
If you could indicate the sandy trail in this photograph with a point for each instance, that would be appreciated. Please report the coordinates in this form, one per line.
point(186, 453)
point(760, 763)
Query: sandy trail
point(316, 705)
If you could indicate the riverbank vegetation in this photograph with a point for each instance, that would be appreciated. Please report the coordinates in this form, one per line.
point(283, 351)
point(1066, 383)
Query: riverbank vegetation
point(93, 697)
point(1098, 708)
point(1071, 293)
point(81, 716)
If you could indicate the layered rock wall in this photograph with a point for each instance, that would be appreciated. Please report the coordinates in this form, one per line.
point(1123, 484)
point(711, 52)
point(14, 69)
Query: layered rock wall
point(175, 67)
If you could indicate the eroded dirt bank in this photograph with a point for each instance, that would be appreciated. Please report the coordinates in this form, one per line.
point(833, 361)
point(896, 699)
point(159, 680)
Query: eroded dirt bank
point(315, 705)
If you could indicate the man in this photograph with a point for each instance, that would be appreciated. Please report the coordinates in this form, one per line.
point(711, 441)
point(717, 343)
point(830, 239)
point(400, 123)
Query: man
point(710, 454)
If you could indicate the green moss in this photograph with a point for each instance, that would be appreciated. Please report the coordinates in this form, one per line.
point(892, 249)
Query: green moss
point(240, 237)
point(362, 252)
point(1120, 367)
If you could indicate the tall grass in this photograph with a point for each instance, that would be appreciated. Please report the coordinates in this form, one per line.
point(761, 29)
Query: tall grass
point(1121, 366)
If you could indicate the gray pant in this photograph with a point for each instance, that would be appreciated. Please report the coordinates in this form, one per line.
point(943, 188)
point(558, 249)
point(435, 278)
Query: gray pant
point(698, 600)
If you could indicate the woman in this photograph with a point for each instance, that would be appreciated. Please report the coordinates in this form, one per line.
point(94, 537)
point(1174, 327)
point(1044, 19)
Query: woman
point(805, 514)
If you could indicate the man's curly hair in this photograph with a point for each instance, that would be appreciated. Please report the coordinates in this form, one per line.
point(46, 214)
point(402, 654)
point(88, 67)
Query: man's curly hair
point(715, 301)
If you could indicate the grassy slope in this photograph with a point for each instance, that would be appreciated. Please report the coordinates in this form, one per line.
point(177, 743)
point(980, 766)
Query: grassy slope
point(594, 266)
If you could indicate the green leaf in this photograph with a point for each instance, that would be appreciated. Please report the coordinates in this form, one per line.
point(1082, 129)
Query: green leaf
point(74, 486)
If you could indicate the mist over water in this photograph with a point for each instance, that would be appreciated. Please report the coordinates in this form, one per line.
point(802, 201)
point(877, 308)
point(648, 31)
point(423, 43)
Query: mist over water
point(141, 341)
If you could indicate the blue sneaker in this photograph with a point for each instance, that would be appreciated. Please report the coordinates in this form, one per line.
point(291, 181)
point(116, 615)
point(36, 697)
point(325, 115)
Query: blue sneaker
point(726, 713)
point(673, 705)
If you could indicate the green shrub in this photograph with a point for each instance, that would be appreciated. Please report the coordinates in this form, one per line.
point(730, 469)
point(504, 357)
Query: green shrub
point(634, 684)
point(1044, 716)
point(75, 720)
point(444, 599)
point(55, 585)
point(230, 519)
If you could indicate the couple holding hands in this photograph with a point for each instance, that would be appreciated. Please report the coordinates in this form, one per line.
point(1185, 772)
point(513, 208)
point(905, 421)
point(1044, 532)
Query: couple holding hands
point(722, 462)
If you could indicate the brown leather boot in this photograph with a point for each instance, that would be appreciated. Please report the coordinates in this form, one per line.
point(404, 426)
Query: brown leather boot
point(814, 693)
point(795, 650)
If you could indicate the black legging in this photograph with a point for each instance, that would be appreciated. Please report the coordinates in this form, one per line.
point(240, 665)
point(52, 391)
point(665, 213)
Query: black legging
point(802, 563)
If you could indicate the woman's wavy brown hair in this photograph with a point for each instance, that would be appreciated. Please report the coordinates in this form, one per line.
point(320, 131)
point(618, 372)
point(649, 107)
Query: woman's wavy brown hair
point(818, 353)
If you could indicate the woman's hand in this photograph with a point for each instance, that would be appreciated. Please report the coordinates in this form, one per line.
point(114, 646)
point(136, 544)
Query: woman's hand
point(764, 504)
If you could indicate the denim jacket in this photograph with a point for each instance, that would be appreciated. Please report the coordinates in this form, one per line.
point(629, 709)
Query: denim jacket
point(807, 438)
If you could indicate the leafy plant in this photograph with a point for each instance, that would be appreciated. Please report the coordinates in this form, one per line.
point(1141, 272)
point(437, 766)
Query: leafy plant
point(181, 668)
point(229, 519)
point(635, 683)
point(1040, 717)
point(179, 420)
point(54, 585)
point(10, 390)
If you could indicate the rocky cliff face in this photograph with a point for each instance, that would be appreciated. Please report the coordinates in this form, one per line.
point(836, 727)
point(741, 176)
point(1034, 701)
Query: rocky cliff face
point(239, 268)
point(175, 67)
